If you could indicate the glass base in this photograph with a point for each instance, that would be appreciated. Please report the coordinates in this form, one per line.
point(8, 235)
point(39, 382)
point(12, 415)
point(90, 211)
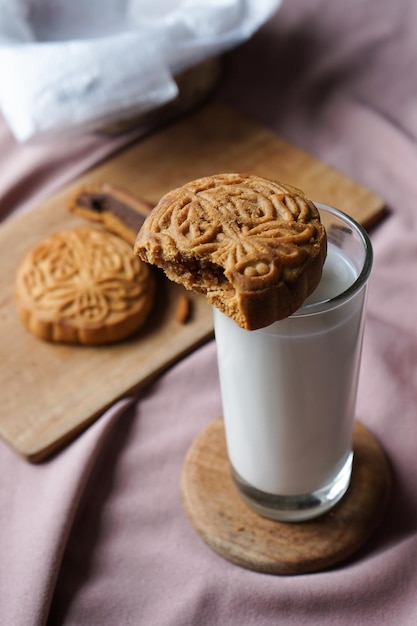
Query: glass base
point(296, 508)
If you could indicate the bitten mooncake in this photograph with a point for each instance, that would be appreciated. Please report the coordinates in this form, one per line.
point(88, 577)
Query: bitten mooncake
point(83, 286)
point(253, 246)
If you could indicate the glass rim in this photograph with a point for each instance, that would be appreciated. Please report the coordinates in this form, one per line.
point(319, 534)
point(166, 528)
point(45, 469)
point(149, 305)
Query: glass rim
point(356, 286)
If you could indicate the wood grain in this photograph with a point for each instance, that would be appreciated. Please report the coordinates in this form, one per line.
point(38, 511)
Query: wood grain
point(238, 534)
point(50, 393)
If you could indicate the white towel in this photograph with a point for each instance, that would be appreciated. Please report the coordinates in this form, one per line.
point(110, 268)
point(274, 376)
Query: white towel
point(78, 65)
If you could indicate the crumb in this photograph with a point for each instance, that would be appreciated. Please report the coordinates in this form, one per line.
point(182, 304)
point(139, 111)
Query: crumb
point(183, 309)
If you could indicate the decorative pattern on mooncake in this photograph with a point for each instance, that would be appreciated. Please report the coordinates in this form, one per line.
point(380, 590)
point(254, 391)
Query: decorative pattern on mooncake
point(83, 286)
point(255, 247)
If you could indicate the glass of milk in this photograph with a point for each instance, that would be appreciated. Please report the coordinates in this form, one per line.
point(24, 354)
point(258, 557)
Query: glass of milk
point(289, 390)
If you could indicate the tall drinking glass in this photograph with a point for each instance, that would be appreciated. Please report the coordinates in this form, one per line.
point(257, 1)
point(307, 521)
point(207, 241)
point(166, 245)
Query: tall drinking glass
point(289, 390)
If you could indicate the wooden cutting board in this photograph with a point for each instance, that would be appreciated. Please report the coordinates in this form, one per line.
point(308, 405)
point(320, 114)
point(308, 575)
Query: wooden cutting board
point(52, 392)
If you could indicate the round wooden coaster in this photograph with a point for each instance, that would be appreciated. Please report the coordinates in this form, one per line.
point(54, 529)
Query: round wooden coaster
point(240, 535)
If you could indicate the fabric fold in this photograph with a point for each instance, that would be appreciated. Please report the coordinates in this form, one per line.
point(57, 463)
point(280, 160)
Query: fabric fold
point(46, 502)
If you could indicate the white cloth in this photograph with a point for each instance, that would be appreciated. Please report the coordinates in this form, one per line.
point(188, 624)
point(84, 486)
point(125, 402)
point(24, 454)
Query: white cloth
point(77, 65)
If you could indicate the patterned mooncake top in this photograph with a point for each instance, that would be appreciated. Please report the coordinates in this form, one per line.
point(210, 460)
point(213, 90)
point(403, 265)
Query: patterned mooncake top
point(255, 247)
point(83, 286)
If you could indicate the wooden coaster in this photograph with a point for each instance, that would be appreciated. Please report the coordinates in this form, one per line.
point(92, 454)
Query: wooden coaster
point(234, 531)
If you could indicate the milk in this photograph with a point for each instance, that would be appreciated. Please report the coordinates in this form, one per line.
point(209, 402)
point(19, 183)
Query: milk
point(289, 390)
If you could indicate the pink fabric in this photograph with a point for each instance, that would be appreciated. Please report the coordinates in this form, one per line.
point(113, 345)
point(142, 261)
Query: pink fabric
point(97, 535)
